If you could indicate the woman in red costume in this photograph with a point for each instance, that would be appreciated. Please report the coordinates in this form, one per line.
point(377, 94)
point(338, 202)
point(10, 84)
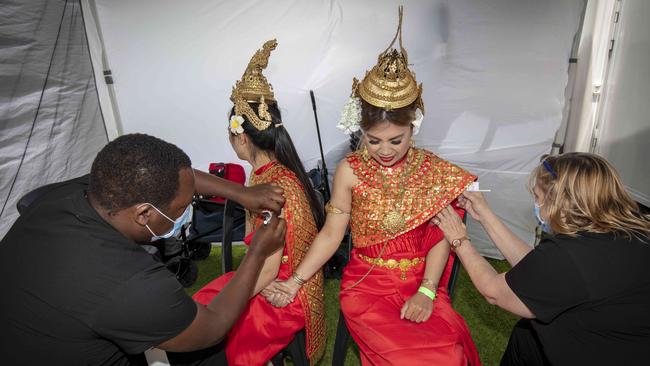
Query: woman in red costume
point(257, 135)
point(393, 291)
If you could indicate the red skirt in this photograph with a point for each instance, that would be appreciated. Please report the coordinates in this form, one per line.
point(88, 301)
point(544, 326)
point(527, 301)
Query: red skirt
point(261, 331)
point(372, 314)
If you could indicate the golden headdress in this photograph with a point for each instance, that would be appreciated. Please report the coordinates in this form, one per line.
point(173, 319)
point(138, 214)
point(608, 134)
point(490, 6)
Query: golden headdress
point(254, 88)
point(388, 85)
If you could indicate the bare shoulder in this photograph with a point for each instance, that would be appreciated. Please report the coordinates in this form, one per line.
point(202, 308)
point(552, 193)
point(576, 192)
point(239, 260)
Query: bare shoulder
point(344, 167)
point(344, 176)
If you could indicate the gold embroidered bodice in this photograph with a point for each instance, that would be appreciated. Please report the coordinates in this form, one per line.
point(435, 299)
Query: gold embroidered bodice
point(301, 231)
point(390, 201)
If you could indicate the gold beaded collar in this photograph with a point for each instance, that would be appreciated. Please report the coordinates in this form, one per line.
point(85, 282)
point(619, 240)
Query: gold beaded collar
point(390, 201)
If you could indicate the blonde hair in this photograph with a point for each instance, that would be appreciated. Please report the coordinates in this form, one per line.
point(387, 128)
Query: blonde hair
point(583, 192)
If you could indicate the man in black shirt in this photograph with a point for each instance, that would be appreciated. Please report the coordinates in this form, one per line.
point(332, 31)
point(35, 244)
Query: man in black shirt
point(77, 288)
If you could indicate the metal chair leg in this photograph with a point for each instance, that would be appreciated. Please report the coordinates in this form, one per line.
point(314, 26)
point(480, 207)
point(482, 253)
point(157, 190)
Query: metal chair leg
point(298, 349)
point(341, 342)
point(226, 242)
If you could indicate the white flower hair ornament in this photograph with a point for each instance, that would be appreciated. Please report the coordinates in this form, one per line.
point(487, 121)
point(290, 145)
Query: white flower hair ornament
point(236, 124)
point(417, 122)
point(350, 121)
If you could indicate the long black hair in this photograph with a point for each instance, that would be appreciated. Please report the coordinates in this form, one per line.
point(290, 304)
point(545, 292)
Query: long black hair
point(277, 140)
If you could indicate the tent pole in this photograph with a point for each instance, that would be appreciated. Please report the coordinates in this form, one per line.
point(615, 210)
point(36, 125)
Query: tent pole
point(101, 70)
point(560, 134)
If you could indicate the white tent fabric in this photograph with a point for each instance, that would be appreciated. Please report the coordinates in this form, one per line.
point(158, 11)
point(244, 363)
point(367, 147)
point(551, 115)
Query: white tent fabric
point(610, 108)
point(591, 72)
point(494, 74)
point(624, 125)
point(50, 121)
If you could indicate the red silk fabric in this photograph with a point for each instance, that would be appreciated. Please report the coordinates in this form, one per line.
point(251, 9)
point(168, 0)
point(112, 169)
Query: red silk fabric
point(372, 308)
point(262, 330)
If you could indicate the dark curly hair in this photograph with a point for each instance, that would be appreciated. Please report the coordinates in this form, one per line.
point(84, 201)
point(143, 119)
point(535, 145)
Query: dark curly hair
point(136, 168)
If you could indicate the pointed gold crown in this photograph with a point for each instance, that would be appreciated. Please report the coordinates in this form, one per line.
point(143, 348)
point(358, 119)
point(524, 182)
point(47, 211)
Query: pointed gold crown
point(254, 88)
point(390, 84)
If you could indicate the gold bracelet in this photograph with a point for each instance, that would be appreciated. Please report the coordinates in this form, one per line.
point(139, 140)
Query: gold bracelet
point(330, 209)
point(428, 282)
point(297, 279)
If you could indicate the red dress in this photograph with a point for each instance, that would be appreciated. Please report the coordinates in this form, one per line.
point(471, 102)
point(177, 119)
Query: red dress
point(371, 304)
point(264, 330)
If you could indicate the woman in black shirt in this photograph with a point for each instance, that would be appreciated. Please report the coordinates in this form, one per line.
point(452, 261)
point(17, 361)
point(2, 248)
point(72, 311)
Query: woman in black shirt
point(584, 291)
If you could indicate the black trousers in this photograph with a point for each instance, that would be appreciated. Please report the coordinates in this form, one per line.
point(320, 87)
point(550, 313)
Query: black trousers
point(524, 347)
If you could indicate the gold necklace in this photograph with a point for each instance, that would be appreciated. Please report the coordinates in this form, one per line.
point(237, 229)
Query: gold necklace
point(394, 222)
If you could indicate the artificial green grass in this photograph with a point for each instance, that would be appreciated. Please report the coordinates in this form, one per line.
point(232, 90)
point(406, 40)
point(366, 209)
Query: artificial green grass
point(489, 325)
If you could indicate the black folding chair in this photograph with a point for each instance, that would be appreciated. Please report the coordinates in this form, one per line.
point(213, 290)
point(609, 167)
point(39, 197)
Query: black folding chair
point(216, 221)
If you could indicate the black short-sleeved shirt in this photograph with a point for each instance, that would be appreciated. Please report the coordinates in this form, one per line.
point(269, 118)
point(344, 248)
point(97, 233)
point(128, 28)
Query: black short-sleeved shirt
point(591, 298)
point(74, 291)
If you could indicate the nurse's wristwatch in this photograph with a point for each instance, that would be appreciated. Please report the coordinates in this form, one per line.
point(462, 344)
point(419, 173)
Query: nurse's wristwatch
point(455, 243)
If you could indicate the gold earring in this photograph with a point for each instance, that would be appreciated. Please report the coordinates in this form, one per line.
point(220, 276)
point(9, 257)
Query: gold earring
point(364, 153)
point(412, 143)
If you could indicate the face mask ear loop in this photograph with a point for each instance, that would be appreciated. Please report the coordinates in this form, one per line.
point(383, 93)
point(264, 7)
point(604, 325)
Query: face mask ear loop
point(160, 212)
point(148, 228)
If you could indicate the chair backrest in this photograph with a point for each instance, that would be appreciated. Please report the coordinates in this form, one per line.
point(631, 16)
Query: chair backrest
point(226, 242)
point(217, 221)
point(30, 197)
point(453, 275)
point(321, 199)
point(319, 181)
point(229, 171)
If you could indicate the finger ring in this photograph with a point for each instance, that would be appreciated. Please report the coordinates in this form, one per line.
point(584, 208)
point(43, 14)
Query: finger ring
point(267, 216)
point(436, 221)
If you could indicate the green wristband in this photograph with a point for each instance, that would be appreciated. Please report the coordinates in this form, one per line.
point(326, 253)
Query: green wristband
point(428, 293)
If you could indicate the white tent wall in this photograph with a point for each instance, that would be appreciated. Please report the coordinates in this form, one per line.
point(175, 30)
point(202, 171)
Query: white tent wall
point(494, 75)
point(50, 121)
point(623, 129)
point(609, 107)
point(592, 58)
point(101, 69)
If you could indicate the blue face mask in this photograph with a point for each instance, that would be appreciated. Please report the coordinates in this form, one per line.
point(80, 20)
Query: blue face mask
point(537, 210)
point(178, 223)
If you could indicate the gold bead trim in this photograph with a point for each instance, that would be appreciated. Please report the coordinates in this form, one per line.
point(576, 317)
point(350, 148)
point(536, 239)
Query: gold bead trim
point(403, 264)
